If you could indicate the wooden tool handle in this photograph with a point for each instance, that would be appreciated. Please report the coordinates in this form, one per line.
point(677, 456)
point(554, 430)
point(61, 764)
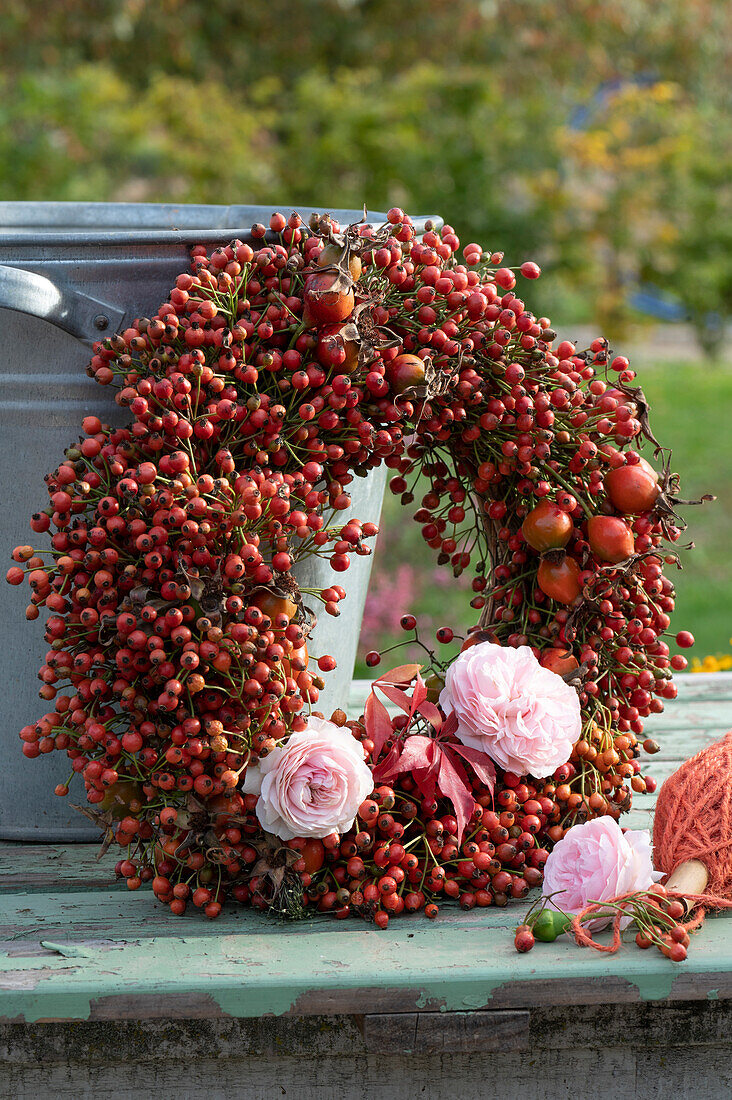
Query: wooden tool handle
point(689, 878)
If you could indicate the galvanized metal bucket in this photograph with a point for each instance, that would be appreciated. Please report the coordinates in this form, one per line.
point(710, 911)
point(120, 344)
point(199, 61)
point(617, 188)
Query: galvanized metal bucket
point(69, 274)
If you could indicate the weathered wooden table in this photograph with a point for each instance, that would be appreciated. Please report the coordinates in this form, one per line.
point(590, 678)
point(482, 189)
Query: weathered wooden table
point(103, 993)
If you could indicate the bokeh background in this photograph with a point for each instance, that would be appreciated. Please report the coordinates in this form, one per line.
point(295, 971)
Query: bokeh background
point(593, 137)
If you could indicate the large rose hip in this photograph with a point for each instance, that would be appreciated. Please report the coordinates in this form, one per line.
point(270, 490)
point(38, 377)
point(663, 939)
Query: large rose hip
point(313, 785)
point(523, 716)
point(597, 861)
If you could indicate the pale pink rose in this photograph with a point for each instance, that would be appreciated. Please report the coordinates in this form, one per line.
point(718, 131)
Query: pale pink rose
point(597, 861)
point(507, 705)
point(312, 785)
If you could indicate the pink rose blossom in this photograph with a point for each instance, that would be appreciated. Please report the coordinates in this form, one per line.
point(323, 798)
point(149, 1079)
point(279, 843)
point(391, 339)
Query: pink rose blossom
point(597, 861)
point(507, 705)
point(313, 784)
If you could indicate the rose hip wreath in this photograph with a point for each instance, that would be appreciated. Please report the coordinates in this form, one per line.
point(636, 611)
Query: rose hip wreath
point(178, 661)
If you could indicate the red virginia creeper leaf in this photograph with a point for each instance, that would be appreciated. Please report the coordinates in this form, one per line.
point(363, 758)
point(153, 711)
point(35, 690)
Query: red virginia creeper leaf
point(431, 713)
point(418, 752)
point(451, 724)
point(415, 754)
point(397, 696)
point(402, 674)
point(425, 780)
point(384, 770)
point(377, 722)
point(481, 764)
point(455, 788)
point(419, 694)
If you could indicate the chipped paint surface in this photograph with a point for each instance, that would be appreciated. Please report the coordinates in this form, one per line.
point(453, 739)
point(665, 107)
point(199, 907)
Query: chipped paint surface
point(297, 970)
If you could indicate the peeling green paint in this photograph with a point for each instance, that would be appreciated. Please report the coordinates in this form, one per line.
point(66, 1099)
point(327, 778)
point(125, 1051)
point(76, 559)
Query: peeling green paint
point(655, 986)
point(462, 963)
point(468, 967)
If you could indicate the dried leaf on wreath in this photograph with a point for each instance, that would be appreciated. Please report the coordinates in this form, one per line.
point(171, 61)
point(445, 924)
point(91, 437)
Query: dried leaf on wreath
point(108, 629)
point(274, 863)
point(104, 821)
point(280, 589)
point(636, 394)
point(436, 382)
point(370, 337)
point(139, 594)
point(349, 333)
point(342, 283)
point(195, 584)
point(310, 619)
point(575, 677)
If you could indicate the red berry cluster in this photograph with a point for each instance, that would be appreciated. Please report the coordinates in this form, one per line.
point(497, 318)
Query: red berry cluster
point(659, 915)
point(277, 370)
point(405, 853)
point(535, 482)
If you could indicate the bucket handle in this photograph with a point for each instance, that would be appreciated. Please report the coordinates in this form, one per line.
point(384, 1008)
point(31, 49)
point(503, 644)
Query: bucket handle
point(86, 318)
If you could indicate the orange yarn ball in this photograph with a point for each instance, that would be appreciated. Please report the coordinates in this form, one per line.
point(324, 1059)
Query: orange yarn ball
point(693, 818)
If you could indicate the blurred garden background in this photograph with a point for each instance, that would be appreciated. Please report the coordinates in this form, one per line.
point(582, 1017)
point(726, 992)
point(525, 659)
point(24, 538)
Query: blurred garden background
point(592, 137)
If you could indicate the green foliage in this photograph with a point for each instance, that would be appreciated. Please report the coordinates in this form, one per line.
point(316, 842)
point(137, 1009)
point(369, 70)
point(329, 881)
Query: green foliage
point(689, 403)
point(439, 141)
point(88, 135)
point(697, 265)
point(457, 108)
